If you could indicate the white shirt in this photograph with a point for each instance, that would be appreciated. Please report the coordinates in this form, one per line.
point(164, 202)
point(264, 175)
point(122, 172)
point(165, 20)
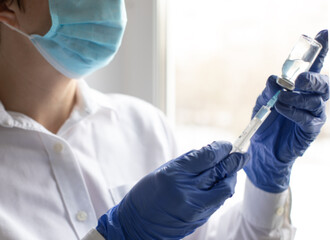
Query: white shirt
point(57, 186)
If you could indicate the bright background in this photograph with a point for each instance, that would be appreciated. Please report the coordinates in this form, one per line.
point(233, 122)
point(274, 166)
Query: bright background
point(205, 62)
point(223, 52)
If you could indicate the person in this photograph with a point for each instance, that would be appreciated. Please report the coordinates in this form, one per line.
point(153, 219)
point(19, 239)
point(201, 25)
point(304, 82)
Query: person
point(78, 164)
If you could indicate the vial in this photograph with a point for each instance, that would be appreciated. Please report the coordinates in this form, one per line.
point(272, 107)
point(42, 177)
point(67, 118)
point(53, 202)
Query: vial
point(300, 60)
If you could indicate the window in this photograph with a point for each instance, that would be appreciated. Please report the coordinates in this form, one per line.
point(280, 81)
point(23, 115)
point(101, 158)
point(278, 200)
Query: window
point(222, 54)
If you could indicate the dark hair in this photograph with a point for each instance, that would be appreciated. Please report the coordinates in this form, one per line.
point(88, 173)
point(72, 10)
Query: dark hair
point(19, 3)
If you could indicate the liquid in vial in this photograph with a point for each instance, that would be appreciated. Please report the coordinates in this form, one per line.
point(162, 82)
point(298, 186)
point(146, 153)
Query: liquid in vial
point(292, 68)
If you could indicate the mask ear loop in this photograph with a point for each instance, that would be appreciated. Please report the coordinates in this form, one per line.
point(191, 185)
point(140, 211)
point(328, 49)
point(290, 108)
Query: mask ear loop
point(17, 30)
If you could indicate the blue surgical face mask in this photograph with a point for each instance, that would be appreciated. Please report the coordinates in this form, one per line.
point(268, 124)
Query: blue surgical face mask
point(85, 35)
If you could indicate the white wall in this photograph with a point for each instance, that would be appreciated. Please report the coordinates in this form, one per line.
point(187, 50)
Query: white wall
point(133, 69)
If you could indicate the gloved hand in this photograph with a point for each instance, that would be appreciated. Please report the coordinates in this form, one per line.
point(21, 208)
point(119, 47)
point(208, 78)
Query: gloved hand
point(290, 128)
point(178, 197)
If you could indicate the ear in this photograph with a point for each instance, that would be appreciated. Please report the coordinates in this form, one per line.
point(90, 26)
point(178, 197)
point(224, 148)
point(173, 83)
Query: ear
point(8, 14)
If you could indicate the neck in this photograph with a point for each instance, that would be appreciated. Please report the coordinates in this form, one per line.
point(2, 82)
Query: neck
point(29, 85)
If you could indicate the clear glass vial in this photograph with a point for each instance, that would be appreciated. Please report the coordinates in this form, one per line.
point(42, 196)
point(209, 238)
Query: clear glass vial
point(300, 60)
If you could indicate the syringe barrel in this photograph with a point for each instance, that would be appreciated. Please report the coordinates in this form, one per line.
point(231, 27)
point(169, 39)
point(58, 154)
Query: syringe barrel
point(242, 143)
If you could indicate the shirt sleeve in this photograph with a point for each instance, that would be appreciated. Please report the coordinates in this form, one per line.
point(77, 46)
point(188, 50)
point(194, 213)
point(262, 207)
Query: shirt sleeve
point(261, 215)
point(93, 235)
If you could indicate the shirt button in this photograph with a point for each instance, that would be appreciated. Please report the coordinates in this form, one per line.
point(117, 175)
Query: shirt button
point(58, 147)
point(81, 216)
point(280, 211)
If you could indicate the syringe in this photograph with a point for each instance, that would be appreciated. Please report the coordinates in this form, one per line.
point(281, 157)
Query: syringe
point(241, 144)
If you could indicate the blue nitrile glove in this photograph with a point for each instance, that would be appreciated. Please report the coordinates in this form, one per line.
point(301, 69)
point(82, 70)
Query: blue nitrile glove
point(290, 128)
point(176, 198)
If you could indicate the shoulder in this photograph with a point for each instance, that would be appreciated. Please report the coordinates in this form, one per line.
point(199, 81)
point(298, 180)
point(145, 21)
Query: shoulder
point(132, 108)
point(139, 113)
point(140, 117)
point(126, 107)
point(146, 119)
point(132, 104)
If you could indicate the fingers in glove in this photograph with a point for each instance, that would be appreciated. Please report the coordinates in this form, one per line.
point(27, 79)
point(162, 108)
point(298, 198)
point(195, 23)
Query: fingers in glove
point(308, 102)
point(232, 164)
point(321, 37)
point(270, 90)
point(315, 83)
point(197, 161)
point(222, 190)
point(226, 167)
point(305, 119)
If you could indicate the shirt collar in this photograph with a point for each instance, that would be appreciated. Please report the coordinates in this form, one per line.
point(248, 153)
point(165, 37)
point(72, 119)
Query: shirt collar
point(90, 100)
point(5, 119)
point(10, 119)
